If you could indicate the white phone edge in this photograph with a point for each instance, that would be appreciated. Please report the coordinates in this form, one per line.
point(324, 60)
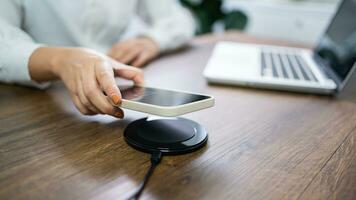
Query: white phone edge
point(169, 111)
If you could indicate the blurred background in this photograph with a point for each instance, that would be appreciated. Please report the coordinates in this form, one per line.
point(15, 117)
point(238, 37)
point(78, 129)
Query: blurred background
point(297, 21)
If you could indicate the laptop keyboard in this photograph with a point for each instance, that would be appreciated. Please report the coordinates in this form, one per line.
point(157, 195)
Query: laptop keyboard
point(285, 66)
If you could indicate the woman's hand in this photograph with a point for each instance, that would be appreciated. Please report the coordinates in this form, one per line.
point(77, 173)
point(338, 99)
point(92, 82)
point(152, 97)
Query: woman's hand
point(87, 75)
point(136, 52)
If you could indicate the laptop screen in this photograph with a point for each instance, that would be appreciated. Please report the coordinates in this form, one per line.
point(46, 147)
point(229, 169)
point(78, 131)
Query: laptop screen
point(338, 46)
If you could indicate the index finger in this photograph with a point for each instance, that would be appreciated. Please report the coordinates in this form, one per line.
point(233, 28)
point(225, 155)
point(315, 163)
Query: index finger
point(105, 77)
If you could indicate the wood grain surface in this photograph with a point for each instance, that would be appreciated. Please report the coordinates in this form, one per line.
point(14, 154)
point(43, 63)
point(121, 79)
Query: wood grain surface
point(262, 144)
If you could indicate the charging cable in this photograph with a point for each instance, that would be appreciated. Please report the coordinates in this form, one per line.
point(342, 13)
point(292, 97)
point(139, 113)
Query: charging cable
point(155, 160)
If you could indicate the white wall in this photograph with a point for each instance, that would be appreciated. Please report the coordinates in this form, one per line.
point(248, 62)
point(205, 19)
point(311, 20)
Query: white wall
point(298, 22)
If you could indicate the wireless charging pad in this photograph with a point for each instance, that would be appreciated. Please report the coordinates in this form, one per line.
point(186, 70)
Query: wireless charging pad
point(167, 135)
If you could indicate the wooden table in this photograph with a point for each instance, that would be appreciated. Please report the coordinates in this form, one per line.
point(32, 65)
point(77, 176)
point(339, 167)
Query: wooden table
point(262, 144)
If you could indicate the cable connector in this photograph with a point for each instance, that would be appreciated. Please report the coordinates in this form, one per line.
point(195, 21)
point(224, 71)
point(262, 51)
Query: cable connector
point(156, 157)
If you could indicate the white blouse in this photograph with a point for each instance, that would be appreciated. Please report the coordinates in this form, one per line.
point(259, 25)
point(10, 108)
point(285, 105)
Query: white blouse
point(28, 24)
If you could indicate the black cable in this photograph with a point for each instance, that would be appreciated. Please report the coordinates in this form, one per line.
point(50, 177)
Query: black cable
point(155, 160)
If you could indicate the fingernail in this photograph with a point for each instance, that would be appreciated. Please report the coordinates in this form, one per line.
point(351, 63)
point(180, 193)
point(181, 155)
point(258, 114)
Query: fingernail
point(119, 114)
point(116, 99)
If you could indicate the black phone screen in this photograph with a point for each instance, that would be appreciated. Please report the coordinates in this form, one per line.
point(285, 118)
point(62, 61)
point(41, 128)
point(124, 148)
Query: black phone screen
point(159, 97)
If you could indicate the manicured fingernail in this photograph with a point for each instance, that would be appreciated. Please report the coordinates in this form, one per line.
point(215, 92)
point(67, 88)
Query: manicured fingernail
point(116, 99)
point(119, 114)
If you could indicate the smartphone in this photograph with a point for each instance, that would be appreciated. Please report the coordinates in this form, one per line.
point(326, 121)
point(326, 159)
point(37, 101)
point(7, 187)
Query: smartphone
point(162, 102)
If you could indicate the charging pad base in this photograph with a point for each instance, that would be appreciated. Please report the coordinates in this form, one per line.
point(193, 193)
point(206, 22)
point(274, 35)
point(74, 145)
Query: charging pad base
point(168, 135)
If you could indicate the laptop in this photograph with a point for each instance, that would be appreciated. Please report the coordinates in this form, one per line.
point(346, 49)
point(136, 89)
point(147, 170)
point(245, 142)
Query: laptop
point(323, 70)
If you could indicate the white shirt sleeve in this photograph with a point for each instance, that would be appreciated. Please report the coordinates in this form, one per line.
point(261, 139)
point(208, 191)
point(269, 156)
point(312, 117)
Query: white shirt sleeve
point(16, 46)
point(170, 25)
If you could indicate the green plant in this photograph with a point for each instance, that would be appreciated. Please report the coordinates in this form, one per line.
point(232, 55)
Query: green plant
point(207, 12)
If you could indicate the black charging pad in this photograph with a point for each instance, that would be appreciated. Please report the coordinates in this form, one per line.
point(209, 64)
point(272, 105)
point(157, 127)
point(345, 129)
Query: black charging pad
point(168, 135)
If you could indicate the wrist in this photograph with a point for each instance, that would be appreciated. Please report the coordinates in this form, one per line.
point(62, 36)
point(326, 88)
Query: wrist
point(43, 64)
point(55, 61)
point(150, 40)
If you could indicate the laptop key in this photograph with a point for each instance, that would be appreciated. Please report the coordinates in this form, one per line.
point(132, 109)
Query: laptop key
point(266, 64)
point(282, 66)
point(263, 65)
point(295, 67)
point(273, 64)
point(305, 75)
point(306, 69)
point(278, 66)
point(287, 67)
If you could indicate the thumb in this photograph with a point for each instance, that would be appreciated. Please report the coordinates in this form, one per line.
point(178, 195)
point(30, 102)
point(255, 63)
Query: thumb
point(128, 72)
